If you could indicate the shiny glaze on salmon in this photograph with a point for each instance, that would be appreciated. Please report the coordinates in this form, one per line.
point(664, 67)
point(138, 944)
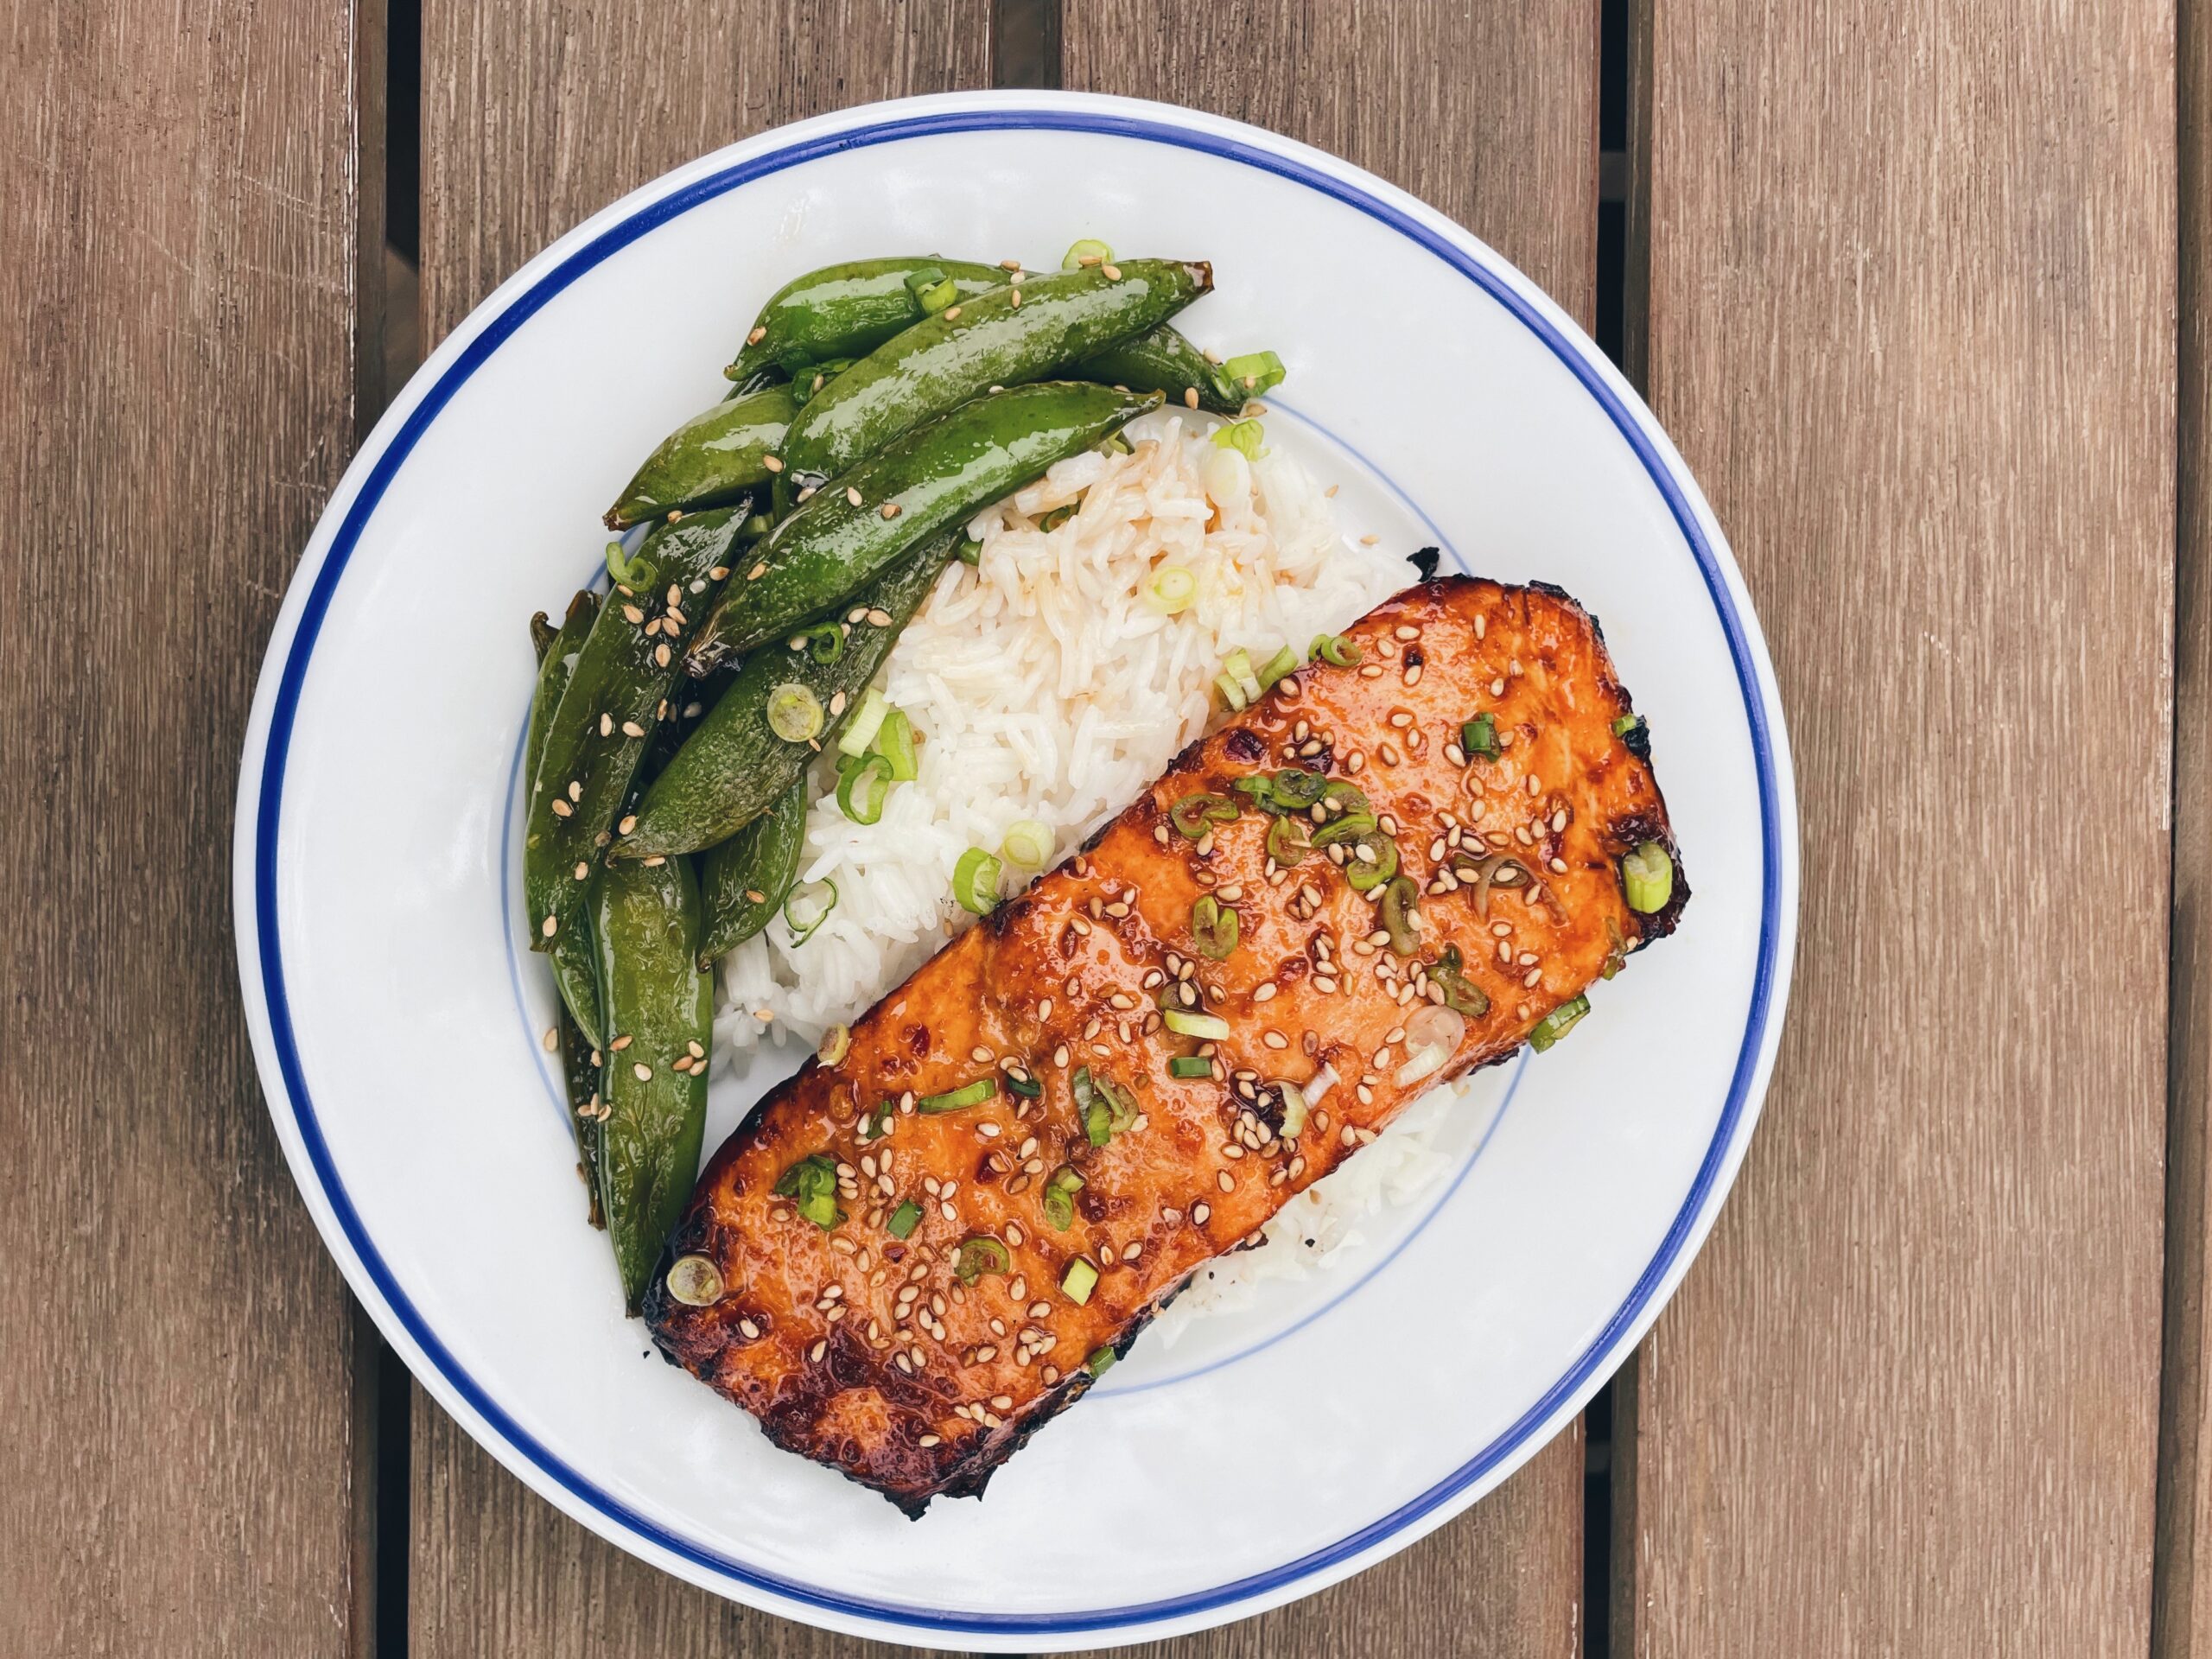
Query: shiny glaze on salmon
point(867, 1352)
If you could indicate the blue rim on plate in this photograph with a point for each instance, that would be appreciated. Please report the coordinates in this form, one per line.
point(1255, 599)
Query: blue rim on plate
point(284, 710)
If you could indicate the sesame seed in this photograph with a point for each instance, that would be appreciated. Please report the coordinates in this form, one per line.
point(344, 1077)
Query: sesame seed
point(561, 808)
point(757, 571)
point(773, 463)
point(890, 509)
point(661, 655)
point(1224, 1179)
point(1201, 1213)
point(952, 314)
point(1267, 992)
point(1016, 293)
point(1190, 396)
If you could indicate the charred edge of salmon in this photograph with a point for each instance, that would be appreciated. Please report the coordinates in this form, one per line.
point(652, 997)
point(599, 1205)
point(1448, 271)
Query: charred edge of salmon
point(786, 1424)
point(912, 1498)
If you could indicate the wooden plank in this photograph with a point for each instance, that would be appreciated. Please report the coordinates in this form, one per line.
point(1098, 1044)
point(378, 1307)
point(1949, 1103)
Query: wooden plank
point(178, 341)
point(537, 113)
point(2182, 1621)
point(1911, 312)
point(1490, 114)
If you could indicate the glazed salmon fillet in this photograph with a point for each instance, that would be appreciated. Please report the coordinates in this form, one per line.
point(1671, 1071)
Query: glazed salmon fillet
point(905, 1264)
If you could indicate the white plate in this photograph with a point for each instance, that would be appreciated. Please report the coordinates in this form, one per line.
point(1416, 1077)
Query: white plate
point(396, 1018)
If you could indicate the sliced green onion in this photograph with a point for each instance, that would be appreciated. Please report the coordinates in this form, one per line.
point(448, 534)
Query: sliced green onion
point(1626, 724)
point(975, 882)
point(904, 1220)
point(894, 742)
point(1021, 1084)
point(635, 574)
point(812, 1185)
point(978, 1255)
point(1461, 995)
point(1195, 815)
point(1107, 1107)
point(1100, 1362)
point(938, 295)
point(1295, 787)
point(1253, 372)
point(794, 713)
point(1286, 842)
point(825, 644)
point(1356, 823)
point(1184, 1022)
point(1368, 873)
point(694, 1280)
point(1336, 650)
point(1648, 875)
point(806, 906)
point(1213, 927)
point(1242, 437)
point(1059, 1197)
point(860, 731)
point(836, 1043)
point(876, 1122)
point(969, 552)
point(1433, 1036)
point(862, 786)
point(958, 1100)
point(1238, 666)
point(1478, 737)
point(1089, 251)
point(1079, 1281)
point(1282, 663)
point(1170, 590)
point(1028, 846)
point(920, 282)
point(1293, 1111)
point(1057, 517)
point(1401, 915)
point(1189, 1065)
point(1232, 695)
point(1557, 1024)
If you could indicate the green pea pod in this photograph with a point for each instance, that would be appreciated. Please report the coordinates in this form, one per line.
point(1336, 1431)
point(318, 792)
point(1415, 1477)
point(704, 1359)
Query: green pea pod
point(660, 1009)
point(580, 1064)
point(735, 767)
point(616, 697)
point(936, 477)
point(847, 311)
point(742, 880)
point(570, 951)
point(1164, 361)
point(1005, 338)
point(713, 458)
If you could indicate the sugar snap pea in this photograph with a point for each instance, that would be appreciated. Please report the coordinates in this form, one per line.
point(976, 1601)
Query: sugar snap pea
point(615, 699)
point(737, 764)
point(1010, 336)
point(742, 880)
point(653, 1086)
point(570, 951)
point(714, 457)
point(580, 1068)
point(939, 475)
point(1164, 361)
point(847, 310)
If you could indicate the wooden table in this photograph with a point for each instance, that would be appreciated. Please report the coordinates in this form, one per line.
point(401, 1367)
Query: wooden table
point(1921, 291)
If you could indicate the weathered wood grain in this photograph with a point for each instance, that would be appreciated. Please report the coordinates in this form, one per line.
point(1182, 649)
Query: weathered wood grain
point(1911, 321)
point(536, 114)
point(2182, 1619)
point(1489, 113)
point(178, 287)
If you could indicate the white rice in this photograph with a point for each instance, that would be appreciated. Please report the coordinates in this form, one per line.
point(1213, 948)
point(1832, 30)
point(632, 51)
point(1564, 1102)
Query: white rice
point(1041, 685)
